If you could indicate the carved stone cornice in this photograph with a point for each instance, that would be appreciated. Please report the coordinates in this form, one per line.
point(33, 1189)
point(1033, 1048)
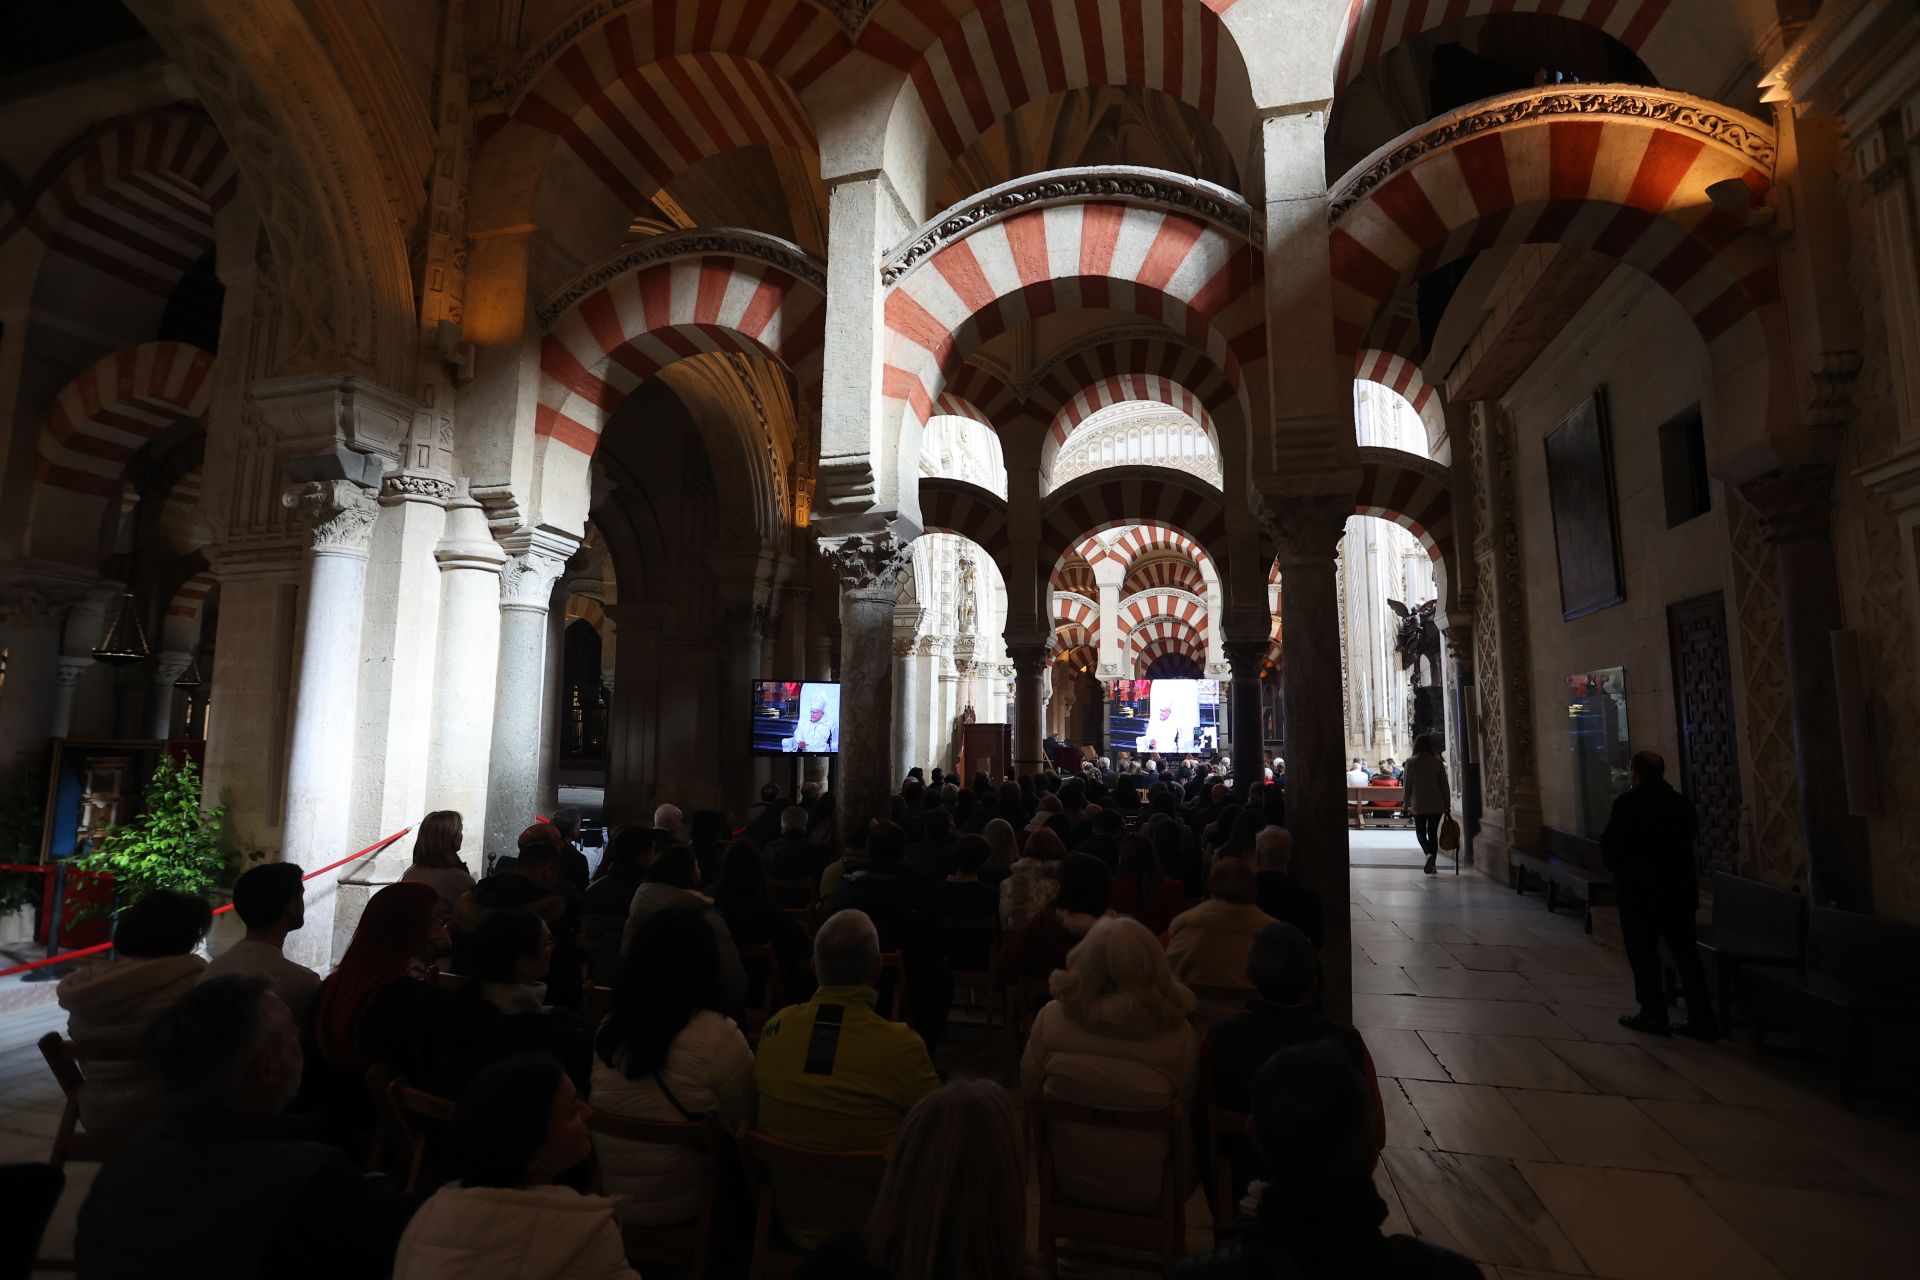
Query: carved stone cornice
point(415, 486)
point(870, 564)
point(338, 515)
point(1727, 129)
point(333, 426)
point(757, 245)
point(1149, 188)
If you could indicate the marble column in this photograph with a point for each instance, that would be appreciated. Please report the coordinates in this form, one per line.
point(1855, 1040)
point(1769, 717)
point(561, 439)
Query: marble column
point(1030, 672)
point(1795, 505)
point(466, 666)
point(68, 669)
point(909, 708)
point(546, 787)
point(870, 567)
point(1247, 657)
point(167, 667)
point(1306, 531)
point(339, 517)
point(1112, 657)
point(535, 560)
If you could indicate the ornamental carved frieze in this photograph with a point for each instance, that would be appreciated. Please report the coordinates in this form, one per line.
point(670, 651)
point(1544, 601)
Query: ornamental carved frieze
point(338, 515)
point(758, 246)
point(497, 79)
point(1741, 134)
point(1148, 187)
point(869, 562)
point(413, 486)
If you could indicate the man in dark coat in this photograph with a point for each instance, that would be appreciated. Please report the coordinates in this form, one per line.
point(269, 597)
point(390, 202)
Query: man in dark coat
point(905, 909)
point(1648, 845)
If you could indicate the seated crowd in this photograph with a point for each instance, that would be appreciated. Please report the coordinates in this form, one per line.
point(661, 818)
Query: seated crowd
point(785, 996)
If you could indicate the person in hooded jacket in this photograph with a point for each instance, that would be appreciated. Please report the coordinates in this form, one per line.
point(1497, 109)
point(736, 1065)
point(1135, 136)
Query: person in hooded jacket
point(669, 883)
point(110, 1004)
point(518, 1126)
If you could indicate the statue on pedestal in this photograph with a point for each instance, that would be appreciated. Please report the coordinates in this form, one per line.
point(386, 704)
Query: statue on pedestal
point(1417, 641)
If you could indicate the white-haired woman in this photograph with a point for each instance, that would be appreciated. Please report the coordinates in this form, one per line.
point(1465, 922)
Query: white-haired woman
point(1117, 1037)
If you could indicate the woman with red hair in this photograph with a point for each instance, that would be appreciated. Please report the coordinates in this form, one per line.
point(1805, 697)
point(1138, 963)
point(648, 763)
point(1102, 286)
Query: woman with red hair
point(372, 1009)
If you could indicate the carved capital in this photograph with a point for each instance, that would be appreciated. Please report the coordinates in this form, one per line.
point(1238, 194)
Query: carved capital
point(338, 515)
point(1110, 671)
point(535, 560)
point(69, 667)
point(1027, 659)
point(1831, 391)
point(1305, 529)
point(1219, 671)
point(1795, 503)
point(869, 564)
point(1246, 657)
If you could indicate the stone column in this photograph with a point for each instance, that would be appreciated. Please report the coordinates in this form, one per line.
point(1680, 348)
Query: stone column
point(27, 700)
point(167, 667)
point(466, 666)
point(68, 669)
point(1112, 658)
point(790, 654)
point(339, 516)
point(535, 560)
point(1030, 671)
point(1306, 530)
point(870, 567)
point(1249, 740)
point(633, 720)
point(909, 709)
point(1795, 505)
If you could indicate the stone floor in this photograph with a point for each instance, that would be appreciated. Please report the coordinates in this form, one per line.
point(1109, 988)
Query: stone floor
point(1526, 1129)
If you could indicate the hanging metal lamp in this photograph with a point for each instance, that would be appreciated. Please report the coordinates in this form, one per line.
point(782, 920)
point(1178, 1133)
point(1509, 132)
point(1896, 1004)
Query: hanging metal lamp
point(190, 678)
point(125, 643)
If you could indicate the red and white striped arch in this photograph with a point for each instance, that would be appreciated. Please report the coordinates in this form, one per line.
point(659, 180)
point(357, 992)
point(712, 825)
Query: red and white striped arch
point(1185, 367)
point(1122, 389)
point(1411, 491)
point(1402, 376)
point(1152, 540)
point(1189, 275)
point(1080, 610)
point(1126, 496)
point(1179, 571)
point(1144, 607)
point(136, 200)
point(1687, 44)
point(1272, 659)
point(954, 506)
point(637, 124)
point(1075, 646)
point(1074, 574)
point(999, 55)
point(603, 346)
point(1154, 639)
point(180, 629)
point(1571, 169)
point(95, 426)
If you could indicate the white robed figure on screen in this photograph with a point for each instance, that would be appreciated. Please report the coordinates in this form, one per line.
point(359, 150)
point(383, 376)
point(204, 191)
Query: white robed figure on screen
point(818, 729)
point(1173, 716)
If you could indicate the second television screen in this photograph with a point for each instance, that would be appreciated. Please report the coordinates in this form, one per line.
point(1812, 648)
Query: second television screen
point(794, 717)
point(1172, 717)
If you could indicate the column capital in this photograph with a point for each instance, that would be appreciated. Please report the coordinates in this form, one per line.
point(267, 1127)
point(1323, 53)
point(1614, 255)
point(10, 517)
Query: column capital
point(1305, 528)
point(868, 564)
point(168, 665)
point(1794, 503)
point(338, 515)
point(1246, 657)
point(535, 560)
point(1027, 657)
point(69, 667)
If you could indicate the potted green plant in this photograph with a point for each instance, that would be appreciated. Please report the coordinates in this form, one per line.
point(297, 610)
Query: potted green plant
point(173, 844)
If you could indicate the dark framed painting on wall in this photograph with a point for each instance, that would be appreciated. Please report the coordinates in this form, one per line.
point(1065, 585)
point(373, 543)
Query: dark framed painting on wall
point(1586, 526)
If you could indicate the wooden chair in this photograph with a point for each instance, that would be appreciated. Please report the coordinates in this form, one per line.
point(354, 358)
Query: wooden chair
point(894, 965)
point(66, 1060)
point(975, 983)
point(762, 959)
point(798, 898)
point(417, 1116)
point(1163, 1233)
point(684, 1246)
point(772, 1255)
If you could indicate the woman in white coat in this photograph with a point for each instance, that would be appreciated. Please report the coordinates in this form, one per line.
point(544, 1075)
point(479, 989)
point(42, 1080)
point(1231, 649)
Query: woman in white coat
point(667, 1054)
point(519, 1124)
point(1428, 795)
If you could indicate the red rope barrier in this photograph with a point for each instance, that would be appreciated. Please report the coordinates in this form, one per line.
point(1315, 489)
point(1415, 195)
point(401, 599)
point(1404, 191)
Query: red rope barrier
point(64, 956)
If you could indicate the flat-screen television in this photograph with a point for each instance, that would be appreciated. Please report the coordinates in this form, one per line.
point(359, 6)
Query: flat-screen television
point(796, 718)
point(1172, 717)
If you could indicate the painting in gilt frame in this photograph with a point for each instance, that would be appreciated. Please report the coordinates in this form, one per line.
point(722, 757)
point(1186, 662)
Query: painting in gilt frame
point(1586, 527)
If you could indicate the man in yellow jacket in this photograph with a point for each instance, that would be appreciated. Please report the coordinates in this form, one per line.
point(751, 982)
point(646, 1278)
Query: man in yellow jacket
point(833, 1075)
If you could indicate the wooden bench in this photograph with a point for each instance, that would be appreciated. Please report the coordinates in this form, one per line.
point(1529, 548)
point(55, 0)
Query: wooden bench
point(1567, 864)
point(1860, 972)
point(1753, 923)
point(1360, 799)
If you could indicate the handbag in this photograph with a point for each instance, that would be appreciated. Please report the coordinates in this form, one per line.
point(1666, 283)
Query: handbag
point(1449, 835)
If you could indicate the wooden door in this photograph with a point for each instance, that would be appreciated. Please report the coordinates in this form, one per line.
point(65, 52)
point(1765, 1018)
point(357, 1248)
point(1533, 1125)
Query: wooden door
point(1709, 745)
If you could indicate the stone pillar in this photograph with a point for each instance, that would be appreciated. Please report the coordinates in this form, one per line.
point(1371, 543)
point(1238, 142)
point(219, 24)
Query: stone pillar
point(67, 671)
point(1795, 505)
point(167, 667)
point(870, 567)
point(27, 700)
point(535, 560)
point(1306, 530)
point(1030, 671)
point(546, 788)
point(466, 666)
point(790, 654)
point(1247, 657)
point(910, 695)
point(1112, 658)
point(339, 516)
point(633, 720)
